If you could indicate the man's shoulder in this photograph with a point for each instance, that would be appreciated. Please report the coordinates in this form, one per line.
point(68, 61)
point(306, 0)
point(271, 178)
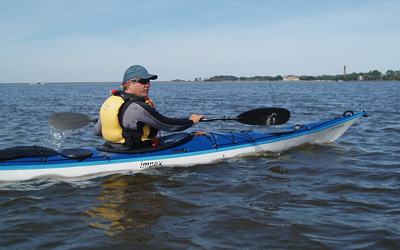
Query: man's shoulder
point(132, 104)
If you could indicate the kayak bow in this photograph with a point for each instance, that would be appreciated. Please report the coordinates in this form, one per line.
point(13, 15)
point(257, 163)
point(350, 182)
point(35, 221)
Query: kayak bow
point(180, 149)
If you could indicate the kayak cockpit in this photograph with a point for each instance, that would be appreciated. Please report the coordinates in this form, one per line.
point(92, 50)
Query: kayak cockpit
point(166, 142)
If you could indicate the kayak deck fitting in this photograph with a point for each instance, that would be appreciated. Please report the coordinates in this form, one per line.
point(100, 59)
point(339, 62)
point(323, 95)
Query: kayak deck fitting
point(179, 149)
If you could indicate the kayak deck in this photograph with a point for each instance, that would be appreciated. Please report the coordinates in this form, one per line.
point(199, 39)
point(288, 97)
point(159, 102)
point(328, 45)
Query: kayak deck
point(190, 149)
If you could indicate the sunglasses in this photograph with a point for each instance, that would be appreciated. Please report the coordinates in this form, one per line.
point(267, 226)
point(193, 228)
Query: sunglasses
point(141, 81)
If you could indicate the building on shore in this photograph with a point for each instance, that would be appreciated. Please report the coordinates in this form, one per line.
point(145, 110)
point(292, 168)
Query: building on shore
point(291, 78)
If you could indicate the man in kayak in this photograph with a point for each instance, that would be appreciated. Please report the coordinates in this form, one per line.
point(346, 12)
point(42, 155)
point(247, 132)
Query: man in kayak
point(128, 117)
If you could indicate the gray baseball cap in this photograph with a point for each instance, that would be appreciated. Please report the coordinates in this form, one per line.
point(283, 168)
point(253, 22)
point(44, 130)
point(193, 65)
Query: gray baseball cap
point(137, 71)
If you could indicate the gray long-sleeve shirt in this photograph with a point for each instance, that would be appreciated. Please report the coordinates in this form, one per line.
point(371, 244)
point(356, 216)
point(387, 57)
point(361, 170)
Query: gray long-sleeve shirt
point(138, 112)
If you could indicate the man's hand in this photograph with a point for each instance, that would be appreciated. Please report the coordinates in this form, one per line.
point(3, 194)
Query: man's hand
point(196, 118)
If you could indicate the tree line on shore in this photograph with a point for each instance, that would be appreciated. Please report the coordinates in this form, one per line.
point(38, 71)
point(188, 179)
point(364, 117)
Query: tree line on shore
point(374, 75)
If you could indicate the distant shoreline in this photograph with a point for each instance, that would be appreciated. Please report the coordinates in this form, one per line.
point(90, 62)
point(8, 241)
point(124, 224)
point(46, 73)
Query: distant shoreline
point(371, 76)
point(52, 83)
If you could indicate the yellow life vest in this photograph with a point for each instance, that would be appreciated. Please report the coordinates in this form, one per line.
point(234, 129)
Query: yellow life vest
point(110, 124)
point(110, 127)
point(147, 128)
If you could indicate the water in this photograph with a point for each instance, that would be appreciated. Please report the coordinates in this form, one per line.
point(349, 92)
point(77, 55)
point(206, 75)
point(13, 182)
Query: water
point(343, 195)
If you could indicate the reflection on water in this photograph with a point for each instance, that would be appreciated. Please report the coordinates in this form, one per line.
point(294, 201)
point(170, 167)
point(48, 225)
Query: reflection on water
point(129, 205)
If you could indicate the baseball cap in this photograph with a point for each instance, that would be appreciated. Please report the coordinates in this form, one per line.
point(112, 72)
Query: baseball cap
point(137, 71)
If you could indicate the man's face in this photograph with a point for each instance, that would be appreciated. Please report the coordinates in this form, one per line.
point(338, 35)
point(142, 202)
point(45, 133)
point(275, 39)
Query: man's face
point(139, 87)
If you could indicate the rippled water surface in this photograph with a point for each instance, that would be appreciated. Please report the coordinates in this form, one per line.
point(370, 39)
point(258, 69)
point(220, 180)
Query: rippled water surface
point(343, 195)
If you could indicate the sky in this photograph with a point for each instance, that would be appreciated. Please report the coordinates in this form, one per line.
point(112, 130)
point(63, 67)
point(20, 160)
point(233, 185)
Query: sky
point(97, 40)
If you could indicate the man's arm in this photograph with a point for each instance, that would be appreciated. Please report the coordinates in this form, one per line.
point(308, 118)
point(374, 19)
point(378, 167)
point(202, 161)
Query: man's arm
point(138, 112)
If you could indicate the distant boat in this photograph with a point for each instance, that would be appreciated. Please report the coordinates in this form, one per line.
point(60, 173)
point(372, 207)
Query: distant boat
point(37, 83)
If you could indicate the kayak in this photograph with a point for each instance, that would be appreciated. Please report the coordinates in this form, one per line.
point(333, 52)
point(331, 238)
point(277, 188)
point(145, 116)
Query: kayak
point(179, 149)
